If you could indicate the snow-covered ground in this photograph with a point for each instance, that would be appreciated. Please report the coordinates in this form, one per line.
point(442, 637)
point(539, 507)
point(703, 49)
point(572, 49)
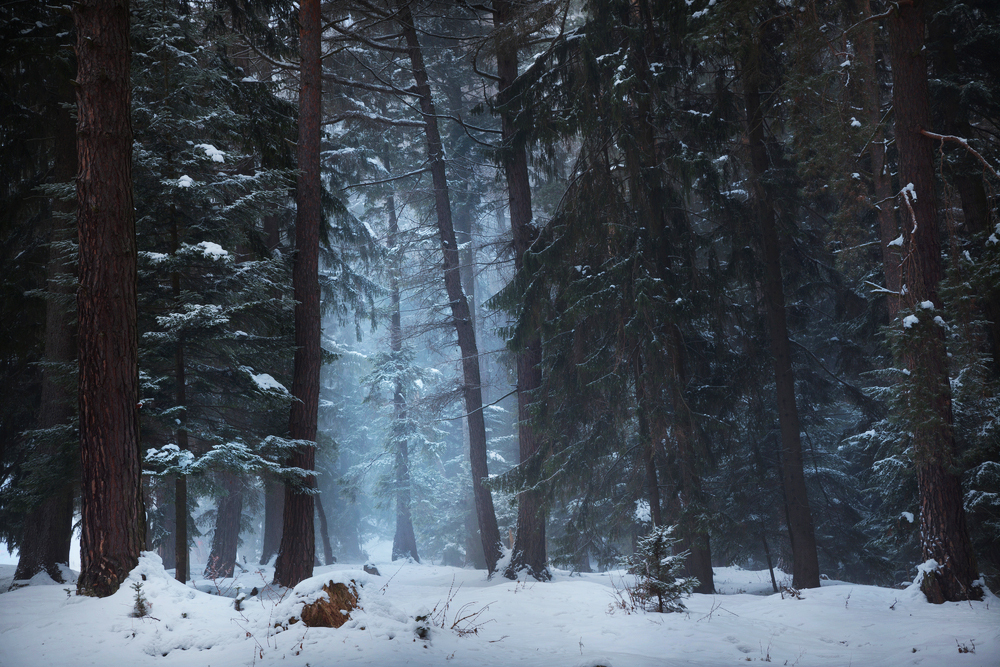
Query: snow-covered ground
point(571, 621)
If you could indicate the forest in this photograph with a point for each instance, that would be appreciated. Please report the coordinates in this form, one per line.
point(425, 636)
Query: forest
point(523, 286)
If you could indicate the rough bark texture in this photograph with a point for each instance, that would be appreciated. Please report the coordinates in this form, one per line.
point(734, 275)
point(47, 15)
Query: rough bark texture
point(298, 541)
point(222, 559)
point(46, 542)
point(529, 538)
point(404, 542)
point(274, 507)
point(113, 522)
point(805, 563)
point(944, 536)
point(460, 313)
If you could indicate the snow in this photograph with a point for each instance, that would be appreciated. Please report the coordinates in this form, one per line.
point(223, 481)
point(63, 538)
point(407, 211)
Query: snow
point(185, 181)
point(571, 621)
point(911, 190)
point(266, 382)
point(927, 305)
point(910, 320)
point(896, 241)
point(212, 152)
point(212, 250)
point(907, 515)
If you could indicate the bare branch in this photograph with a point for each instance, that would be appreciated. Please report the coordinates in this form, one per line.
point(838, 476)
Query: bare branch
point(959, 140)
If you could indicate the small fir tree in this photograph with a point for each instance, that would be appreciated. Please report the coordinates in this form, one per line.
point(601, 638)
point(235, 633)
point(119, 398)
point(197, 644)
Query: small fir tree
point(658, 586)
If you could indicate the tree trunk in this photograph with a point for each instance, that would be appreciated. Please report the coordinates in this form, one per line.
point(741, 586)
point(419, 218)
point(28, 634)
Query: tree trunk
point(298, 541)
point(111, 478)
point(274, 507)
point(461, 315)
point(529, 538)
point(805, 564)
point(182, 551)
point(944, 536)
point(404, 542)
point(324, 532)
point(46, 542)
point(222, 560)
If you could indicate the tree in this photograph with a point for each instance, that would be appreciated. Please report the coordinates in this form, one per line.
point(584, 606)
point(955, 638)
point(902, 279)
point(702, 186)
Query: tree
point(805, 567)
point(944, 535)
point(112, 507)
point(298, 543)
point(460, 313)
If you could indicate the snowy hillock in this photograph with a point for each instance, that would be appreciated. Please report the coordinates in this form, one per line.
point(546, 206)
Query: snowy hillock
point(419, 614)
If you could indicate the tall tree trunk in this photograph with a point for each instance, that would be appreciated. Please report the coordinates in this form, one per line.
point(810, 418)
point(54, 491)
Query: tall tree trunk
point(529, 538)
point(805, 563)
point(113, 521)
point(324, 532)
point(298, 541)
point(182, 564)
point(404, 542)
point(944, 536)
point(460, 313)
point(46, 542)
point(888, 224)
point(225, 541)
point(274, 507)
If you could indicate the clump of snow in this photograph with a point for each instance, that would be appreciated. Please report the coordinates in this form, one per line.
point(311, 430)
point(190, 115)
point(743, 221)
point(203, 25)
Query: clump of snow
point(907, 515)
point(265, 381)
point(927, 305)
point(212, 250)
point(910, 320)
point(855, 122)
point(911, 190)
point(185, 181)
point(212, 152)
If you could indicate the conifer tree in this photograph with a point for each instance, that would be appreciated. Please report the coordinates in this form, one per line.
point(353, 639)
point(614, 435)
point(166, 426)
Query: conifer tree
point(113, 524)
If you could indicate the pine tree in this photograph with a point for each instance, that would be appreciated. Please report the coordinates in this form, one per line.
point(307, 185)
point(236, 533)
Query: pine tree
point(112, 533)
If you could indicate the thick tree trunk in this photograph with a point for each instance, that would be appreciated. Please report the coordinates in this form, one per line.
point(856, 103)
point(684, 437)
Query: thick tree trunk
point(298, 541)
point(111, 478)
point(274, 507)
point(805, 563)
point(222, 559)
point(529, 538)
point(46, 541)
point(404, 542)
point(461, 315)
point(944, 536)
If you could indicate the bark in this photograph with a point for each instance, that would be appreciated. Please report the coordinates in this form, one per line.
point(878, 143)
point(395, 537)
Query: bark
point(529, 539)
point(111, 479)
point(46, 543)
point(298, 542)
point(274, 507)
point(888, 224)
point(182, 564)
point(404, 542)
point(805, 564)
point(324, 532)
point(461, 315)
point(222, 559)
point(182, 552)
point(944, 536)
